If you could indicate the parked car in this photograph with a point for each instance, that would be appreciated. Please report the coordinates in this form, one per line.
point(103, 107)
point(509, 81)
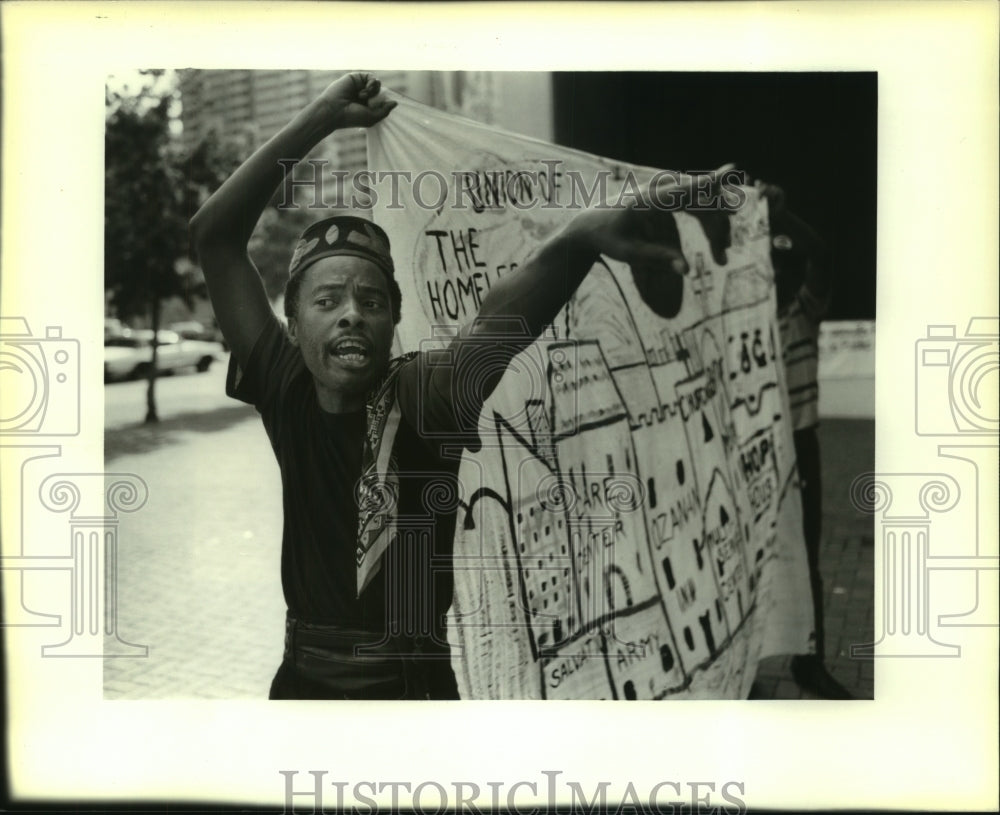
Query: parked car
point(193, 330)
point(190, 330)
point(113, 327)
point(130, 355)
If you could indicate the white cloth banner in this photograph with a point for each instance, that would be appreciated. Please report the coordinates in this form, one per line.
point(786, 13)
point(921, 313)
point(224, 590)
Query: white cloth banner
point(631, 527)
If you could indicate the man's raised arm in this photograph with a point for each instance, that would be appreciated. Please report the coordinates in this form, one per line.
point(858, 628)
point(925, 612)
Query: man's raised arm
point(221, 229)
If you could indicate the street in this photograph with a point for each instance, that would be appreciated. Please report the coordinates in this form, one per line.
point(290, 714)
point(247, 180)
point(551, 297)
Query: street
point(180, 393)
point(199, 565)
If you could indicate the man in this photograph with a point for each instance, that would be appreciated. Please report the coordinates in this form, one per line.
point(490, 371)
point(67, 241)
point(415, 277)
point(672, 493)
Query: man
point(366, 599)
point(802, 270)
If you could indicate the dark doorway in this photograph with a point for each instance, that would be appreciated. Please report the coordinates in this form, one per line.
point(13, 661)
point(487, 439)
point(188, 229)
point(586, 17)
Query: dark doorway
point(815, 134)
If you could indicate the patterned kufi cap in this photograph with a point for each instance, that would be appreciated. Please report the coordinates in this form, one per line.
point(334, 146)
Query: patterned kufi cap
point(342, 235)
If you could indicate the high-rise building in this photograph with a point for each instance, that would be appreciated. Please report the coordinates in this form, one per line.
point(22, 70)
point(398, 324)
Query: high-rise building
point(246, 107)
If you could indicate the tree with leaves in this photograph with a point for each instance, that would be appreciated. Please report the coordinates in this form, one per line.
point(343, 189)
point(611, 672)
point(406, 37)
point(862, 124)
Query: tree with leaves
point(272, 242)
point(152, 187)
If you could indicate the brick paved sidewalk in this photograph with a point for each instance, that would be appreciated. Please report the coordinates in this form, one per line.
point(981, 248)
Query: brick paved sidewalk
point(199, 568)
point(847, 566)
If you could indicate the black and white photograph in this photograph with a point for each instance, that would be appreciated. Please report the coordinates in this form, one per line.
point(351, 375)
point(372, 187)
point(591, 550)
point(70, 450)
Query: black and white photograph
point(600, 529)
point(466, 390)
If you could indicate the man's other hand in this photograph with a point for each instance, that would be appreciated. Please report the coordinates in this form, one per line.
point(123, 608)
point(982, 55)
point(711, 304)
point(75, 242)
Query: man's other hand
point(644, 233)
point(774, 194)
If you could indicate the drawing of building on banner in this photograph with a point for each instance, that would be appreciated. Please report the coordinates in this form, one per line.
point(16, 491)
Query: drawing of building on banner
point(643, 528)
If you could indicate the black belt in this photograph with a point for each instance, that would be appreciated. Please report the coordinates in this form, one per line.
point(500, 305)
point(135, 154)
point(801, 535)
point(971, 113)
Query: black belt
point(355, 663)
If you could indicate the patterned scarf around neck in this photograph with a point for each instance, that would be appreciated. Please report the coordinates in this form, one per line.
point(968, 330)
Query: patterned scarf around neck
point(378, 488)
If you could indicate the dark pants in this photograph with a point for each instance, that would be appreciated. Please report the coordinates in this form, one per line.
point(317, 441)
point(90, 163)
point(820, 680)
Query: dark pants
point(807, 453)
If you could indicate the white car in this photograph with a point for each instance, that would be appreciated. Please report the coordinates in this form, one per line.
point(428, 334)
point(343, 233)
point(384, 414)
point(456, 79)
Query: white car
point(130, 355)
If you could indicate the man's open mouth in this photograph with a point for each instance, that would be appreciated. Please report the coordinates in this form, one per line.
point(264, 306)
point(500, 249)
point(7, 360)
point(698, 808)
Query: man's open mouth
point(351, 349)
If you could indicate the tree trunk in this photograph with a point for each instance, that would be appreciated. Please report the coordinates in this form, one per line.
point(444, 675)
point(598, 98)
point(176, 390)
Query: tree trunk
point(151, 414)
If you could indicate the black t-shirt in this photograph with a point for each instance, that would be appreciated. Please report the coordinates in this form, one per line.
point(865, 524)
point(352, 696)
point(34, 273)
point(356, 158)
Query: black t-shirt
point(320, 458)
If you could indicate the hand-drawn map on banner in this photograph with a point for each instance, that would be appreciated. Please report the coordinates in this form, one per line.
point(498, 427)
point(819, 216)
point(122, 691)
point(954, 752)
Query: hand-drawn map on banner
point(631, 528)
